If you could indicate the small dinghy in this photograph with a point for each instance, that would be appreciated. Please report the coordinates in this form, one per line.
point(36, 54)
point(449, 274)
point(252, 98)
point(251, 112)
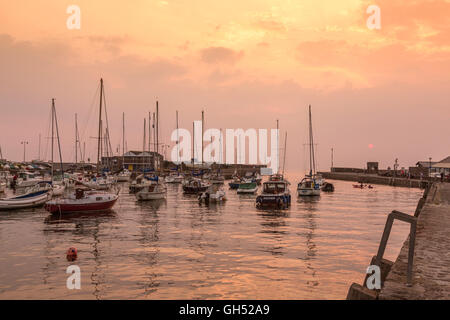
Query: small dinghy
point(83, 201)
point(195, 186)
point(213, 194)
point(174, 178)
point(124, 176)
point(27, 202)
point(327, 187)
point(155, 191)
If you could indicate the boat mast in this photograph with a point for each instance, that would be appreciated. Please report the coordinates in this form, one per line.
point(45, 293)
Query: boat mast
point(284, 157)
point(178, 141)
point(123, 139)
point(149, 132)
point(220, 149)
point(145, 139)
point(59, 144)
point(312, 163)
point(193, 150)
point(76, 139)
point(154, 142)
point(53, 132)
point(100, 127)
point(203, 122)
point(157, 127)
point(39, 149)
point(278, 148)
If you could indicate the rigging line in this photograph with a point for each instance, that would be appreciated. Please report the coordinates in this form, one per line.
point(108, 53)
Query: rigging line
point(91, 108)
point(107, 123)
point(48, 134)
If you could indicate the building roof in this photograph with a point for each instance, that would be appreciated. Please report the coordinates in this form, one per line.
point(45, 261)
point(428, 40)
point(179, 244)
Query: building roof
point(446, 160)
point(442, 165)
point(425, 164)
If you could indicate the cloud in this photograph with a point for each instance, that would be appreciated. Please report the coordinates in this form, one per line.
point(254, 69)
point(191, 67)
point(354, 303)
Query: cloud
point(217, 55)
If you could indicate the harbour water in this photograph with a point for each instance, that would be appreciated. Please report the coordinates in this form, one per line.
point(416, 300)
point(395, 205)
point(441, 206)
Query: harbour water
point(178, 249)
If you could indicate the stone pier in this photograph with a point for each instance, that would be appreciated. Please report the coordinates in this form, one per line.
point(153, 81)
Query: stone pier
point(431, 268)
point(431, 263)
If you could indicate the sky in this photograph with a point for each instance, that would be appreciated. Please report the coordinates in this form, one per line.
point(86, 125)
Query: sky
point(376, 94)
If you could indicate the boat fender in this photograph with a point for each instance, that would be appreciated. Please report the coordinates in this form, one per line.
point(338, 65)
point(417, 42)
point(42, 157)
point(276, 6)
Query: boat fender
point(72, 254)
point(279, 203)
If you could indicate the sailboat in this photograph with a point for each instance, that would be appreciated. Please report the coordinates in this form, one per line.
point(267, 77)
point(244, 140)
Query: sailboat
point(194, 185)
point(310, 184)
point(152, 188)
point(175, 177)
point(85, 200)
point(275, 192)
point(125, 174)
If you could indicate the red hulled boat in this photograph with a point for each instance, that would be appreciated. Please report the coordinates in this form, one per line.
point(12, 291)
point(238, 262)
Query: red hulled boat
point(82, 201)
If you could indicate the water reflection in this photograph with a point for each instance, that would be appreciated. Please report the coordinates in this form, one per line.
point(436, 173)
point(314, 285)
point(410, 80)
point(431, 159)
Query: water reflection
point(178, 249)
point(148, 255)
point(85, 225)
point(310, 211)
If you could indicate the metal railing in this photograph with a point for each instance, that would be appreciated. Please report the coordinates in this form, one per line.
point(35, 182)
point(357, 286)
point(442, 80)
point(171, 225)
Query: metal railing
point(412, 239)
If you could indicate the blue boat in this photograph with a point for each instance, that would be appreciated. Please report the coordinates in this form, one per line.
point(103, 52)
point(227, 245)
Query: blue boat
point(275, 194)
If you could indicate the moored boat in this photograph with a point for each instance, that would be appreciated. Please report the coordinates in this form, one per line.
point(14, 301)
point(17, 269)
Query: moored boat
point(195, 186)
point(23, 203)
point(308, 187)
point(124, 176)
point(154, 191)
point(275, 194)
point(82, 201)
point(213, 194)
point(234, 184)
point(248, 186)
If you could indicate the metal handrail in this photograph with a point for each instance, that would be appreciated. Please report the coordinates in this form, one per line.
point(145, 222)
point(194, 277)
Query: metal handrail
point(412, 239)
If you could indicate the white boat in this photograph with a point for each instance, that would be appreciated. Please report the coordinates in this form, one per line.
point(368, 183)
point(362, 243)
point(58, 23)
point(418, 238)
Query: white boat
point(124, 176)
point(154, 191)
point(102, 183)
point(212, 194)
point(174, 178)
point(26, 180)
point(310, 185)
point(140, 183)
point(22, 203)
point(195, 185)
point(2, 187)
point(58, 189)
point(216, 179)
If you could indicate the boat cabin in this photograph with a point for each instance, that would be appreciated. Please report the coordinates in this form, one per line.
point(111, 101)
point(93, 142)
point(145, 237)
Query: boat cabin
point(273, 187)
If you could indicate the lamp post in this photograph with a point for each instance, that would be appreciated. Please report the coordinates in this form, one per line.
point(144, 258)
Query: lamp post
point(24, 147)
point(429, 170)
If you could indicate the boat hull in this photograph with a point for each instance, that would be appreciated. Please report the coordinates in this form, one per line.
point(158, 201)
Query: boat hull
point(308, 192)
point(30, 202)
point(56, 207)
point(273, 201)
point(194, 190)
point(145, 196)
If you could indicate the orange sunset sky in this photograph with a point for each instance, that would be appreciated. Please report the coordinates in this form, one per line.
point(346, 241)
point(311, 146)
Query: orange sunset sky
point(246, 63)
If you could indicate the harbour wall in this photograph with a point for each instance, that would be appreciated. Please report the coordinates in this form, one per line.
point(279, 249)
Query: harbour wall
point(429, 258)
point(375, 179)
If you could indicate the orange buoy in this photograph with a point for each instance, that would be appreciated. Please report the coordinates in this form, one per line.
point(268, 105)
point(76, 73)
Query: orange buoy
point(72, 254)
